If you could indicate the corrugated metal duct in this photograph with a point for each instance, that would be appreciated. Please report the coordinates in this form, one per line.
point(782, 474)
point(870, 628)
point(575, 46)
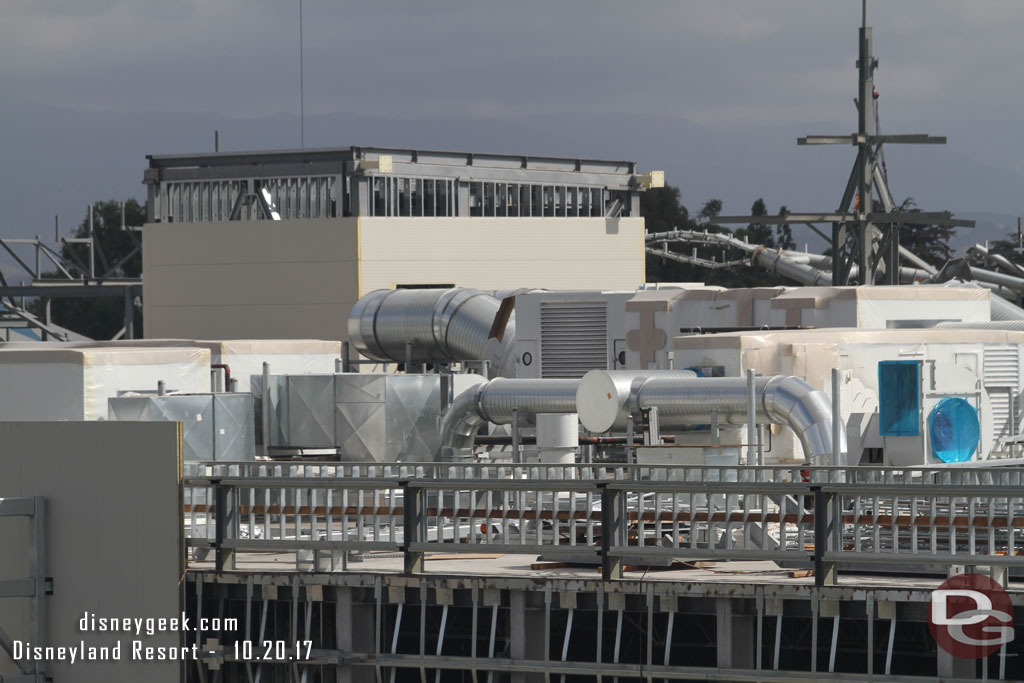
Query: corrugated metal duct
point(444, 325)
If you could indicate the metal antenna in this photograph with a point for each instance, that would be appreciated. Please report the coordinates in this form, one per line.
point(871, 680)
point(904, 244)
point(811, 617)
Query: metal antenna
point(864, 14)
point(302, 93)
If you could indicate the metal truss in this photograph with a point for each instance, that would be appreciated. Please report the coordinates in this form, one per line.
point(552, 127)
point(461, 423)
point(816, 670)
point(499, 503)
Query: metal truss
point(75, 277)
point(865, 242)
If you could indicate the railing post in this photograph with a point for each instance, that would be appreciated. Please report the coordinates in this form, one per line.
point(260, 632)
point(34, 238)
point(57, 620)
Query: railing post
point(824, 572)
point(612, 525)
point(412, 512)
point(224, 557)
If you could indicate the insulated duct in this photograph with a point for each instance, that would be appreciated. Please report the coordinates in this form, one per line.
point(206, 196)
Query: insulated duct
point(1005, 325)
point(494, 402)
point(694, 401)
point(608, 394)
point(443, 325)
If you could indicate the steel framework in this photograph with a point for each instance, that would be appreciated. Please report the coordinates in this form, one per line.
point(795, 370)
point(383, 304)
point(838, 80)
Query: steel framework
point(865, 242)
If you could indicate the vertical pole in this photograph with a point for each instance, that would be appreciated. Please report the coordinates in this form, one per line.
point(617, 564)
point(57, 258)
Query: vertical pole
point(751, 419)
point(122, 217)
point(837, 420)
point(265, 409)
point(161, 388)
point(611, 521)
point(216, 140)
point(129, 314)
point(222, 522)
point(824, 572)
point(865, 176)
point(38, 257)
point(39, 574)
point(516, 450)
point(56, 228)
point(345, 363)
point(92, 245)
point(302, 90)
point(412, 510)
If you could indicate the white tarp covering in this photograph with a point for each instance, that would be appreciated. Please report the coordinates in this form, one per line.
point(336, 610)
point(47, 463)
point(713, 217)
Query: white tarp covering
point(74, 383)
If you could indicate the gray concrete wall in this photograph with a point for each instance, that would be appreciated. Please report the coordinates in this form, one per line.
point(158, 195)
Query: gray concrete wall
point(113, 535)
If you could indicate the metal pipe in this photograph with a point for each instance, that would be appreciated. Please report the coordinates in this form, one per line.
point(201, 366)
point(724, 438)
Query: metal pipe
point(265, 409)
point(617, 388)
point(227, 374)
point(751, 418)
point(837, 421)
point(998, 259)
point(688, 401)
point(441, 325)
point(497, 402)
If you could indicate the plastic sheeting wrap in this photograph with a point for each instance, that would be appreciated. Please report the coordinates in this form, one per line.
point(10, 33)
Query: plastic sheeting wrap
point(54, 383)
point(899, 398)
point(954, 430)
point(245, 357)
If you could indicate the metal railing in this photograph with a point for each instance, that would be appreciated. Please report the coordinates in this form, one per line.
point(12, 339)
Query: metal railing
point(614, 514)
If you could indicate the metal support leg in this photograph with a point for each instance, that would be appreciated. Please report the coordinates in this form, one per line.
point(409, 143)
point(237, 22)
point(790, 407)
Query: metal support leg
point(412, 502)
point(612, 524)
point(224, 522)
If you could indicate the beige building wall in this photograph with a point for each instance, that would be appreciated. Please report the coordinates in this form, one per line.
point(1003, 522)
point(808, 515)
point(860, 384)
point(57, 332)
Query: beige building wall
point(299, 279)
point(502, 253)
point(249, 279)
point(113, 536)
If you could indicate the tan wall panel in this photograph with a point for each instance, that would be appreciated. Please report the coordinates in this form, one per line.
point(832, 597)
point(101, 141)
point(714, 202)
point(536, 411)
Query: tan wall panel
point(254, 321)
point(113, 534)
point(256, 279)
point(299, 279)
point(503, 253)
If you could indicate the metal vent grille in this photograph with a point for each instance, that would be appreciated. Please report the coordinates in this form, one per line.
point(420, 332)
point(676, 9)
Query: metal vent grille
point(1002, 377)
point(573, 338)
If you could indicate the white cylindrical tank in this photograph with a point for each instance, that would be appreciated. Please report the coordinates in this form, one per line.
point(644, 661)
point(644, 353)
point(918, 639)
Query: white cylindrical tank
point(558, 437)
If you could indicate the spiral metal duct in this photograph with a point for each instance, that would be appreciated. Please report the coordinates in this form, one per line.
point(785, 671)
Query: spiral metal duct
point(691, 401)
point(494, 402)
point(608, 394)
point(443, 325)
point(1006, 325)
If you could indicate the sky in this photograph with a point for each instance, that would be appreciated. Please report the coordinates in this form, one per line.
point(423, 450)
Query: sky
point(713, 92)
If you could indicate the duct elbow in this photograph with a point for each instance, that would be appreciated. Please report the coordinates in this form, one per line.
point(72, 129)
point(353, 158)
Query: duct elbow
point(808, 412)
point(460, 423)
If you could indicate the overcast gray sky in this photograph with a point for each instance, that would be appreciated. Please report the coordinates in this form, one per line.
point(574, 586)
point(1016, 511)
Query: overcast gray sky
point(725, 85)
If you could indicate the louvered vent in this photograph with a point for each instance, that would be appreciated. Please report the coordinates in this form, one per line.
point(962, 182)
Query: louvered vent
point(573, 338)
point(1002, 377)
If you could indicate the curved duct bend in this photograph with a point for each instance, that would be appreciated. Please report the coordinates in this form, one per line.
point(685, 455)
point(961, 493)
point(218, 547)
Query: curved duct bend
point(494, 402)
point(444, 325)
point(691, 401)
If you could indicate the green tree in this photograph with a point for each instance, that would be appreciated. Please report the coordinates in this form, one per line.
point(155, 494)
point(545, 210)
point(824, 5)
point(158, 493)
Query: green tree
point(758, 232)
point(784, 232)
point(663, 210)
point(930, 242)
point(101, 318)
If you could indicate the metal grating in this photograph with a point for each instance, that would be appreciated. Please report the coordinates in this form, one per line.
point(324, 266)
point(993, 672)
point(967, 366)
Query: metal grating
point(1002, 379)
point(573, 338)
